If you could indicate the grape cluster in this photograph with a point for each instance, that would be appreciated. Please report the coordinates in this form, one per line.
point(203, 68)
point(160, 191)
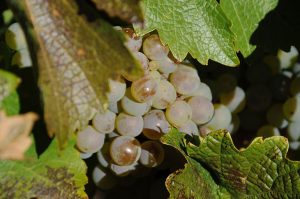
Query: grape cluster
point(170, 94)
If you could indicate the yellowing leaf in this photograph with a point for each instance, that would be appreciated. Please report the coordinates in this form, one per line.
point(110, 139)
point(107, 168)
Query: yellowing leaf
point(8, 83)
point(14, 135)
point(75, 60)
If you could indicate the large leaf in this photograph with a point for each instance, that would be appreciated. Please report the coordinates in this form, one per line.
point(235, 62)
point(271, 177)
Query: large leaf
point(198, 27)
point(75, 58)
point(245, 16)
point(128, 10)
point(259, 171)
point(53, 175)
point(8, 84)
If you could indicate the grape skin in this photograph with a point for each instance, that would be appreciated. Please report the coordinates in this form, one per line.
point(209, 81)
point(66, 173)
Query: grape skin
point(234, 100)
point(89, 140)
point(129, 125)
point(166, 95)
point(178, 113)
point(291, 109)
point(189, 128)
point(275, 116)
point(155, 124)
point(221, 118)
point(15, 37)
point(152, 154)
point(103, 178)
point(104, 122)
point(154, 49)
point(202, 109)
point(117, 90)
point(293, 131)
point(144, 89)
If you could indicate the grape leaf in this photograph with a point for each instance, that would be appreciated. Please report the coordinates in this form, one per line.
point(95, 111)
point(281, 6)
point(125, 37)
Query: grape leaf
point(53, 175)
point(198, 27)
point(11, 104)
point(8, 83)
point(259, 171)
point(75, 59)
point(128, 10)
point(245, 16)
point(14, 135)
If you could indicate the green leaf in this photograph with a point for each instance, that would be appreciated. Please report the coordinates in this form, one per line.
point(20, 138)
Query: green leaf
point(245, 16)
point(198, 27)
point(128, 10)
point(259, 171)
point(11, 104)
point(53, 175)
point(75, 59)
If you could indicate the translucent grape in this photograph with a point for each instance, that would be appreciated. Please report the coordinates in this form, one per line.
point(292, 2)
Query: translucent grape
point(178, 113)
point(291, 109)
point(189, 128)
point(114, 107)
point(226, 82)
point(104, 122)
point(165, 65)
point(144, 89)
point(103, 178)
point(122, 171)
point(152, 154)
point(22, 58)
point(129, 125)
point(166, 95)
point(234, 100)
point(117, 90)
point(89, 140)
point(156, 76)
point(125, 150)
point(133, 107)
point(155, 124)
point(185, 80)
point(295, 86)
point(275, 116)
point(268, 131)
point(296, 68)
point(203, 90)
point(154, 49)
point(133, 42)
point(142, 59)
point(287, 59)
point(103, 155)
point(202, 109)
point(294, 145)
point(15, 37)
point(294, 131)
point(234, 124)
point(258, 97)
point(221, 118)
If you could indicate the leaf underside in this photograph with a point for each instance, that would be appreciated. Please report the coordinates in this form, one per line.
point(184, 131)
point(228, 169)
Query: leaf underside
point(259, 171)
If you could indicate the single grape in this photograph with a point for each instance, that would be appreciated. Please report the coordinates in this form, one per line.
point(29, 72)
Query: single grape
point(296, 68)
point(129, 125)
point(221, 118)
point(156, 76)
point(279, 86)
point(22, 58)
point(258, 97)
point(144, 89)
point(125, 150)
point(133, 42)
point(227, 83)
point(185, 80)
point(189, 128)
point(142, 59)
point(202, 90)
point(154, 49)
point(294, 145)
point(15, 37)
point(294, 131)
point(117, 90)
point(85, 155)
point(103, 155)
point(89, 140)
point(114, 107)
point(104, 122)
point(165, 65)
point(235, 100)
point(234, 124)
point(133, 107)
point(152, 154)
point(287, 59)
point(204, 131)
point(275, 116)
point(202, 109)
point(155, 124)
point(103, 178)
point(122, 171)
point(268, 131)
point(295, 86)
point(291, 109)
point(166, 95)
point(178, 113)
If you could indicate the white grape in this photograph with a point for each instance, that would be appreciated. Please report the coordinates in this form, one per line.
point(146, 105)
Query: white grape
point(103, 178)
point(291, 109)
point(293, 131)
point(104, 122)
point(156, 76)
point(295, 86)
point(142, 59)
point(144, 89)
point(189, 128)
point(133, 107)
point(116, 90)
point(129, 125)
point(166, 65)
point(123, 171)
point(154, 49)
point(202, 90)
point(294, 145)
point(133, 42)
point(234, 100)
point(15, 37)
point(112, 135)
point(221, 118)
point(268, 131)
point(89, 140)
point(125, 150)
point(152, 154)
point(22, 58)
point(185, 80)
point(202, 109)
point(166, 95)
point(155, 124)
point(296, 68)
point(114, 107)
point(287, 59)
point(204, 130)
point(179, 113)
point(275, 116)
point(85, 155)
point(103, 155)
point(234, 124)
